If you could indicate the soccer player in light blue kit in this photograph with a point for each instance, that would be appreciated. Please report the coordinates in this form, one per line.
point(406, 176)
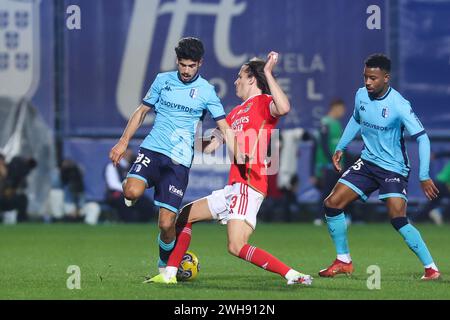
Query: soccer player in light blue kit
point(381, 115)
point(180, 100)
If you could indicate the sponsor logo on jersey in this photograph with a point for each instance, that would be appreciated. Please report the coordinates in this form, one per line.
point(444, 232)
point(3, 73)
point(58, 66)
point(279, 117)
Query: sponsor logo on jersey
point(175, 106)
point(361, 108)
point(238, 124)
point(375, 126)
point(385, 112)
point(175, 191)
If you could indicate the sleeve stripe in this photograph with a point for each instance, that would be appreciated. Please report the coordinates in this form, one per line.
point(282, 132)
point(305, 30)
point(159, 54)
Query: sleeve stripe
point(355, 118)
point(145, 103)
point(219, 118)
point(418, 134)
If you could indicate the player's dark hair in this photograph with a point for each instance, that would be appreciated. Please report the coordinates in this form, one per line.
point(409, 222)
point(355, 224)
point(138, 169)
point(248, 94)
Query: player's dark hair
point(190, 48)
point(255, 68)
point(378, 60)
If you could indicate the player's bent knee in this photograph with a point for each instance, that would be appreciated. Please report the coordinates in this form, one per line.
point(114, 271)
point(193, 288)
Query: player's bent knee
point(235, 248)
point(166, 225)
point(131, 192)
point(334, 202)
point(396, 208)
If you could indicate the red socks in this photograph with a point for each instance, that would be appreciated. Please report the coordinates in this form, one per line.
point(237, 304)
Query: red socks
point(181, 246)
point(249, 253)
point(263, 260)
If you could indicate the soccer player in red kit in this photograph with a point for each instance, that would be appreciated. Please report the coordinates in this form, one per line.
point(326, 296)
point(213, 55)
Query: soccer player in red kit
point(237, 204)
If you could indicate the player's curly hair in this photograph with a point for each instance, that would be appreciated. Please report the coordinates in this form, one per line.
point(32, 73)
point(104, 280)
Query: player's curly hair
point(255, 68)
point(378, 60)
point(190, 48)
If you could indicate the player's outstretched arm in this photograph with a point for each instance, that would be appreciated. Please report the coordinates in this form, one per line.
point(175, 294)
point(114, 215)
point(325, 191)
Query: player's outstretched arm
point(135, 121)
point(280, 105)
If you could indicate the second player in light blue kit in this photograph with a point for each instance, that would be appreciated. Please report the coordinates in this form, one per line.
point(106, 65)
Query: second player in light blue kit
point(180, 100)
point(381, 115)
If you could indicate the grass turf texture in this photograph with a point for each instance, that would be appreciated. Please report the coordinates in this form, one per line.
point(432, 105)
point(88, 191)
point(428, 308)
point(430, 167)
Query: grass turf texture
point(115, 258)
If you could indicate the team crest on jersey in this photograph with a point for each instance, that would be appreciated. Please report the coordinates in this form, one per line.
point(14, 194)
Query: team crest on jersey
point(193, 94)
point(248, 107)
point(385, 112)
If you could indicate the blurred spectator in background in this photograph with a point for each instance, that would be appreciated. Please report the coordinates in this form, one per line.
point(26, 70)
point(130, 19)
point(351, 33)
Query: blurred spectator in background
point(325, 177)
point(13, 199)
point(288, 179)
point(3, 171)
point(67, 201)
point(435, 208)
point(289, 154)
point(270, 208)
point(73, 185)
point(143, 210)
point(290, 203)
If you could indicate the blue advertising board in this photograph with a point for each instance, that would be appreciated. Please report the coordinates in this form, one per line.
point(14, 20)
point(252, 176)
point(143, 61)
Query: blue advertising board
point(111, 62)
point(424, 40)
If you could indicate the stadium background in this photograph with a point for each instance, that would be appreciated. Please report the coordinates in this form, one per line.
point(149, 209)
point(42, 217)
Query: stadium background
point(77, 87)
point(67, 93)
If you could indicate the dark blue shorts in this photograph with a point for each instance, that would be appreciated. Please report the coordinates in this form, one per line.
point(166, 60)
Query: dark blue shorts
point(169, 178)
point(365, 177)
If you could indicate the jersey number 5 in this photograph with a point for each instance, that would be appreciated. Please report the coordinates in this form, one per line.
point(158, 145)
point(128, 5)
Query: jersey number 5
point(358, 164)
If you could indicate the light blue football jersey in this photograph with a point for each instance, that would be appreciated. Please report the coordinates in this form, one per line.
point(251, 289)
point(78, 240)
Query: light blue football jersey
point(179, 107)
point(383, 122)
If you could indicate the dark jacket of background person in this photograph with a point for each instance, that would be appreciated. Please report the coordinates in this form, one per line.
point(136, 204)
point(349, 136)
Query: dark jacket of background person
point(13, 184)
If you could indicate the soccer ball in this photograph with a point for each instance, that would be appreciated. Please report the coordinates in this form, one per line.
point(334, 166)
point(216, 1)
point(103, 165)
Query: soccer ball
point(189, 267)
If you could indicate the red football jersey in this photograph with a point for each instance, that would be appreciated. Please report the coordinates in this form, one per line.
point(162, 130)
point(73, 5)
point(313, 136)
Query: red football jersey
point(252, 124)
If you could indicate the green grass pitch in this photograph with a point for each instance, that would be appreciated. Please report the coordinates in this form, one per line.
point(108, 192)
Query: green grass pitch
point(114, 259)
